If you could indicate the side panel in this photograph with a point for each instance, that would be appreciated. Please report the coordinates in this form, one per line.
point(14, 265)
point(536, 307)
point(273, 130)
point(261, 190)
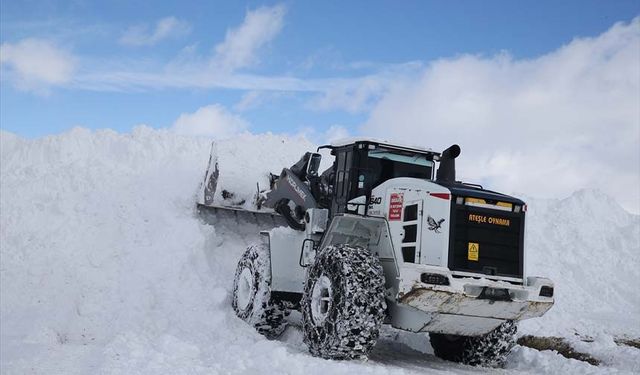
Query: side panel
point(396, 200)
point(435, 238)
point(286, 273)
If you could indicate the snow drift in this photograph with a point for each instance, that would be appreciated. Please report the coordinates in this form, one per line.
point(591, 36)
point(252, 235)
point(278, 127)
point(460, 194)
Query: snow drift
point(105, 267)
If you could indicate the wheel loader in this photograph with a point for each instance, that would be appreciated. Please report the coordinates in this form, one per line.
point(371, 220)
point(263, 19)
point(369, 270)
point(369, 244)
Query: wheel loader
point(386, 235)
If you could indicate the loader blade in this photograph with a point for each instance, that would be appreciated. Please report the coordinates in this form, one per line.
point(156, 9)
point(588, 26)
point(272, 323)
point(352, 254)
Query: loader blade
point(236, 217)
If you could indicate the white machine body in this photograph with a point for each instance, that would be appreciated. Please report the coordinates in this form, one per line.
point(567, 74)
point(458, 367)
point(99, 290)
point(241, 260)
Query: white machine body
point(406, 224)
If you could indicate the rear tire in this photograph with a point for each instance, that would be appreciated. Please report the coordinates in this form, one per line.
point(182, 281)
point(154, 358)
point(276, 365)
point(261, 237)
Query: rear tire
point(252, 300)
point(490, 350)
point(343, 304)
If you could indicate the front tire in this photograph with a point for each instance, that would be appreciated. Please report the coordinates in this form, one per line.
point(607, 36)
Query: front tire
point(490, 350)
point(343, 304)
point(252, 300)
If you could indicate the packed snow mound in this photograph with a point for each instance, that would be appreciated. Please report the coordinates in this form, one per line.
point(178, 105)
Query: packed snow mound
point(105, 267)
point(101, 249)
point(590, 247)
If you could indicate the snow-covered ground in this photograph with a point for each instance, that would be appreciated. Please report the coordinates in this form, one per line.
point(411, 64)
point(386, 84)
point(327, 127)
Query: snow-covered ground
point(105, 267)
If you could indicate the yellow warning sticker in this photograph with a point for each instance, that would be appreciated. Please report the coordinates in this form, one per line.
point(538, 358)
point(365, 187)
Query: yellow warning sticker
point(474, 249)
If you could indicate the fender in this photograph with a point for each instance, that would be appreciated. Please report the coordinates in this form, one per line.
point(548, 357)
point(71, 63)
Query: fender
point(369, 232)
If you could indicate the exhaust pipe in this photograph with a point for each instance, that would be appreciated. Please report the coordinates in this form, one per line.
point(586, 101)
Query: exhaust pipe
point(447, 170)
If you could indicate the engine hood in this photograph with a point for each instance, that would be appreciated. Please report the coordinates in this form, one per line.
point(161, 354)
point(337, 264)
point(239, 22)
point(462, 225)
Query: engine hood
point(460, 189)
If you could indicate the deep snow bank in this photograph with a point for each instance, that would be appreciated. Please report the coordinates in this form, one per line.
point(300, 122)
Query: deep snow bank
point(104, 266)
point(101, 248)
point(590, 247)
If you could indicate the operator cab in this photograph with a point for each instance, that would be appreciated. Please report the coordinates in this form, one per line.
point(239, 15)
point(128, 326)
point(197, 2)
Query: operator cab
point(362, 164)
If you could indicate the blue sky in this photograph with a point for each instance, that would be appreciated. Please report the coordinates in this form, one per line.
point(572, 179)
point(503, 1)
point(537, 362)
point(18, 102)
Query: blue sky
point(316, 43)
point(543, 97)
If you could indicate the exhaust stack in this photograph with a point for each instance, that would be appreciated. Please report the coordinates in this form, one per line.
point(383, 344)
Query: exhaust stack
point(447, 170)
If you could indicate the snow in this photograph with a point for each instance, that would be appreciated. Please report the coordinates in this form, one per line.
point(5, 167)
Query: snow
point(590, 247)
point(105, 268)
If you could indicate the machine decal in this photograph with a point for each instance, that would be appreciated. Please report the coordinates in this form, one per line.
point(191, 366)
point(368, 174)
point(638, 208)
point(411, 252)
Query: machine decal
point(296, 188)
point(473, 252)
point(395, 206)
point(489, 219)
point(433, 224)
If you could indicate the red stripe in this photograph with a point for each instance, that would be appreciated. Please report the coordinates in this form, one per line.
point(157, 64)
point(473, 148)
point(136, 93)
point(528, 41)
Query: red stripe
point(441, 195)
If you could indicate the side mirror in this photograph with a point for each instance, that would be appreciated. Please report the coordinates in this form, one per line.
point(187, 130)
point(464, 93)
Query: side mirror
point(313, 165)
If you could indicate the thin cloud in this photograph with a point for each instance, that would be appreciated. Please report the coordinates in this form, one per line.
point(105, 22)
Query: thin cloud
point(165, 28)
point(350, 97)
point(249, 100)
point(360, 94)
point(544, 127)
point(35, 64)
point(240, 49)
point(353, 94)
point(240, 46)
point(255, 99)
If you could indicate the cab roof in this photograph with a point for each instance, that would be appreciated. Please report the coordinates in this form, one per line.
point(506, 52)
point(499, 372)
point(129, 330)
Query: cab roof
point(354, 140)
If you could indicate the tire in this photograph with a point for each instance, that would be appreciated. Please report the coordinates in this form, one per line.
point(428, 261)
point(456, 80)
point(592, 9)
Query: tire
point(252, 300)
point(490, 350)
point(343, 304)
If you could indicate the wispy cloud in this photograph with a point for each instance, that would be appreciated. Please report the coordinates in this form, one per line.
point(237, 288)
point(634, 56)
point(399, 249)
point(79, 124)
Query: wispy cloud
point(240, 46)
point(239, 49)
point(331, 58)
point(254, 99)
point(360, 94)
point(249, 100)
point(64, 31)
point(353, 94)
point(223, 67)
point(36, 64)
point(545, 126)
point(165, 28)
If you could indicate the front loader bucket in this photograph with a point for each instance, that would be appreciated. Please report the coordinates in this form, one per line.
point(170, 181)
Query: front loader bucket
point(235, 216)
point(232, 217)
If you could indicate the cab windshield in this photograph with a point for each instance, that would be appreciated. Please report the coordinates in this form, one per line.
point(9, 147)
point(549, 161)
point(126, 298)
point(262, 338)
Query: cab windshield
point(388, 164)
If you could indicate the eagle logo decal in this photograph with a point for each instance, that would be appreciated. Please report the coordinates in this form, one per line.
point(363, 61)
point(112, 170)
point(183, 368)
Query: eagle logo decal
point(433, 224)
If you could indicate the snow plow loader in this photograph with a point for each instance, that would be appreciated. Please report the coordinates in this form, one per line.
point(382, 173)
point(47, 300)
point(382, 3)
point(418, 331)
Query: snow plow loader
point(382, 237)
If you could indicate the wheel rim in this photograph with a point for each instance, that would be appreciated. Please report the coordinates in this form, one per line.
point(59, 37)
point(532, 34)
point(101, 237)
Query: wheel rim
point(321, 300)
point(245, 289)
